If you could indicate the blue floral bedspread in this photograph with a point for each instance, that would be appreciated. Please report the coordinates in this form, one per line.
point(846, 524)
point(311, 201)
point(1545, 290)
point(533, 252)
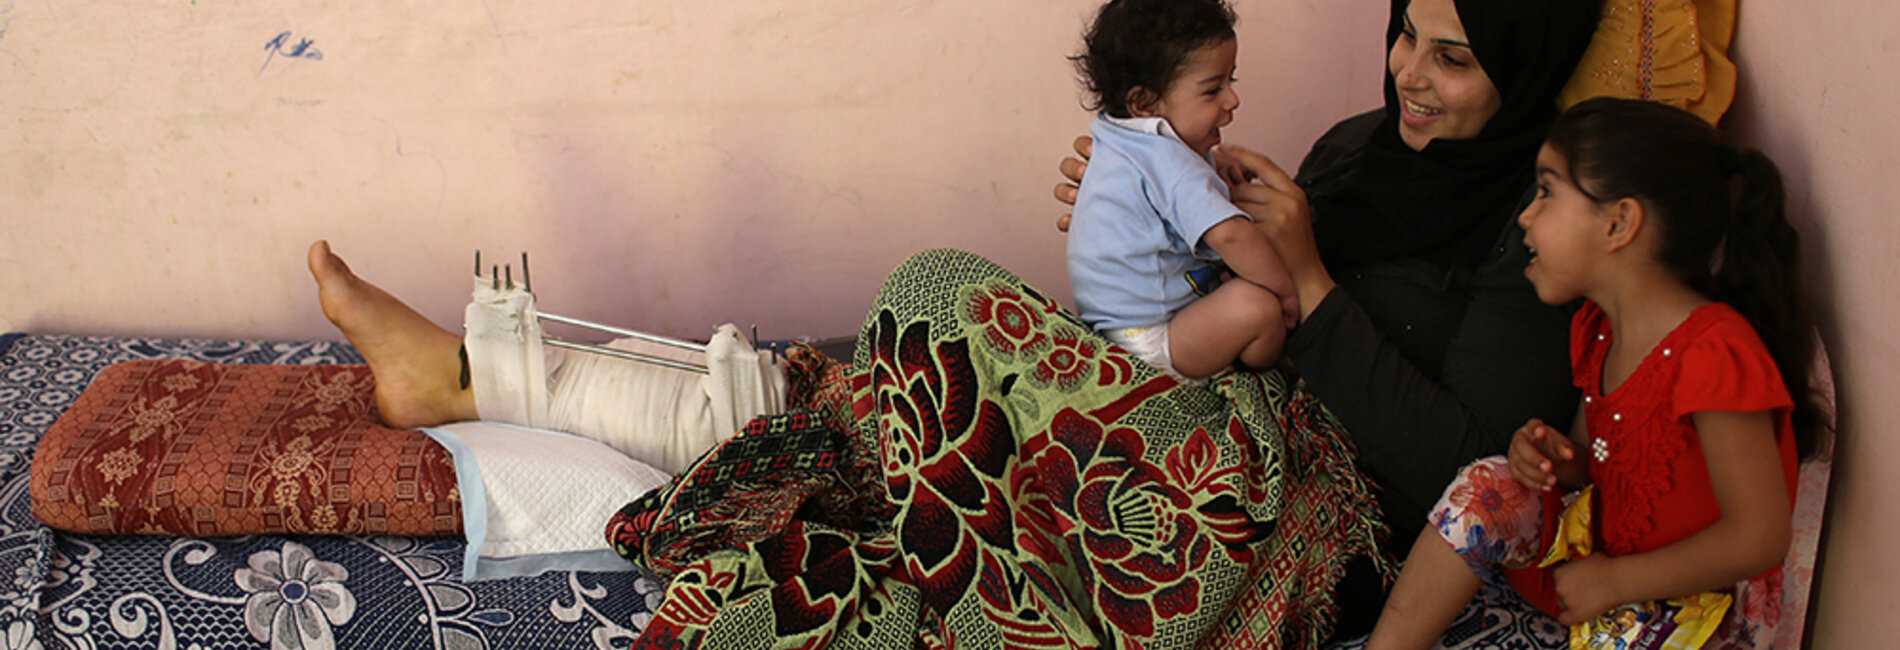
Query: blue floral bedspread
point(60, 590)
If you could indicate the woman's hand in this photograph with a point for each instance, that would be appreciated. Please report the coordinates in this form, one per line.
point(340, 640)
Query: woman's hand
point(1231, 170)
point(1278, 208)
point(1072, 169)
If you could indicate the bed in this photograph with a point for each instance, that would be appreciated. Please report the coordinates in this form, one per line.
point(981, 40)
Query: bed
point(141, 591)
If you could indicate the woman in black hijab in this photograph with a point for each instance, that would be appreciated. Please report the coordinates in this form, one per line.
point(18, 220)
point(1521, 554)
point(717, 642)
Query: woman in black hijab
point(1418, 329)
point(1387, 194)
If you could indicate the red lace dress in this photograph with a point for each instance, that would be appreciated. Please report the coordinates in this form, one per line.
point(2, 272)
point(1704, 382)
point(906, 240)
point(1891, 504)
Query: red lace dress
point(1645, 456)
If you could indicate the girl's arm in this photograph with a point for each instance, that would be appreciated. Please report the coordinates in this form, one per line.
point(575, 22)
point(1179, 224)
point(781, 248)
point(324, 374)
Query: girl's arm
point(1751, 535)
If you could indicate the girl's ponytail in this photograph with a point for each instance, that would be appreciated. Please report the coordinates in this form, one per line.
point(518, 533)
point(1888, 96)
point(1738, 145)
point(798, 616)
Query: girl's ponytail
point(1720, 210)
point(1757, 271)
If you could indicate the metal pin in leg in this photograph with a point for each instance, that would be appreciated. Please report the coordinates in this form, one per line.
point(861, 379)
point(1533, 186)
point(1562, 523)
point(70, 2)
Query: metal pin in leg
point(497, 274)
point(623, 354)
point(650, 338)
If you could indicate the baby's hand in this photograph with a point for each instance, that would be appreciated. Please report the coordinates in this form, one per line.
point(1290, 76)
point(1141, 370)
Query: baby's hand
point(1537, 451)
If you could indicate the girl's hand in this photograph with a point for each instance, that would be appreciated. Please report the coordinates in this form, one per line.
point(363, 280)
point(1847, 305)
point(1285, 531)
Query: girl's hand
point(1072, 169)
point(1278, 208)
point(1749, 538)
point(1586, 588)
point(1542, 458)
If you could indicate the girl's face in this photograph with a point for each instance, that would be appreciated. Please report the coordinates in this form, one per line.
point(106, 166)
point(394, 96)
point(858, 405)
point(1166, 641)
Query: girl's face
point(1565, 230)
point(1443, 92)
point(1201, 100)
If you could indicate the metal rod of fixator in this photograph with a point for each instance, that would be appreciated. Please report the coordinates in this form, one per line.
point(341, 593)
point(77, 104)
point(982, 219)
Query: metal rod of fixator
point(623, 354)
point(650, 338)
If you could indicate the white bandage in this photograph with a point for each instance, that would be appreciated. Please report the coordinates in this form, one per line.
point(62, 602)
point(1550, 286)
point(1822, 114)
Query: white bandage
point(507, 367)
point(664, 417)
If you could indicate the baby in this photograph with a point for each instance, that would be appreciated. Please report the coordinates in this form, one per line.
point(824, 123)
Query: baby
point(1153, 220)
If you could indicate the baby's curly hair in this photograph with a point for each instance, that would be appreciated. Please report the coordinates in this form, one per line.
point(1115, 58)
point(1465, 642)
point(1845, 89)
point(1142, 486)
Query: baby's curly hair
point(1143, 44)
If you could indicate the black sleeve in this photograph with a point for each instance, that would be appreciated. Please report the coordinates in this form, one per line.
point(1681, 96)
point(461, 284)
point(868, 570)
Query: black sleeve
point(1506, 361)
point(1331, 159)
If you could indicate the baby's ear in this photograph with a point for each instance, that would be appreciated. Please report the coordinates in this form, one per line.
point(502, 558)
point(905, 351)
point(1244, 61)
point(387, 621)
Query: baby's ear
point(1140, 102)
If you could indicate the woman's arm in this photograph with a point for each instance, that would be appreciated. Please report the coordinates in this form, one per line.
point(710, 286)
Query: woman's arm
point(1506, 360)
point(1750, 537)
point(1248, 254)
point(1278, 207)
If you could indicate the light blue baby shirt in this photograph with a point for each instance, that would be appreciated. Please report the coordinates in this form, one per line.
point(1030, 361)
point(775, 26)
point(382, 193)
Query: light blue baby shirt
point(1145, 202)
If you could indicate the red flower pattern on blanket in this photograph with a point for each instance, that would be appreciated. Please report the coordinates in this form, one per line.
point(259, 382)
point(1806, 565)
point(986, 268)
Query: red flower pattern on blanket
point(1070, 361)
point(1145, 528)
point(1013, 322)
point(1034, 487)
point(938, 440)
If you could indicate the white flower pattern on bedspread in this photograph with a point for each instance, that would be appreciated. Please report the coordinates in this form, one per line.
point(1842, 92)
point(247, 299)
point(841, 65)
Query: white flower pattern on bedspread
point(295, 598)
point(19, 636)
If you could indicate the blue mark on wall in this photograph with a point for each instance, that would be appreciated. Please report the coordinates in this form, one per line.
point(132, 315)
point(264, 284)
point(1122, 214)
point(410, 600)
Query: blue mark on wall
point(282, 46)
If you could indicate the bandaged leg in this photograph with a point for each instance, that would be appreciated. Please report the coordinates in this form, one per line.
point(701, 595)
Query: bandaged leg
point(506, 361)
point(660, 416)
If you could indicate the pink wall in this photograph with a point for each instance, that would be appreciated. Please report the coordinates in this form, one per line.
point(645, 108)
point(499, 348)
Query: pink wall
point(667, 166)
point(766, 163)
point(1818, 94)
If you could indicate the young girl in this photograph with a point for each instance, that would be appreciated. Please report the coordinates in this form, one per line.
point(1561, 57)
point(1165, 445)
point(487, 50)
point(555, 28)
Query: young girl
point(1153, 215)
point(1688, 348)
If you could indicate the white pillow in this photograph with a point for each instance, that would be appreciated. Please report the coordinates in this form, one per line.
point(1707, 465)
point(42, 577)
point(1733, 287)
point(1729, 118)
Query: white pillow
point(535, 500)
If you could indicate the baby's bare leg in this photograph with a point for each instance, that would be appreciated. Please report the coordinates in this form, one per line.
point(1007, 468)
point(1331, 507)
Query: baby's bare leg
point(1431, 591)
point(1238, 321)
point(417, 363)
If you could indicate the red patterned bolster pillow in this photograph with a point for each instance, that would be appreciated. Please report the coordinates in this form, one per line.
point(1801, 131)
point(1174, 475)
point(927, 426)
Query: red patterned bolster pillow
point(175, 447)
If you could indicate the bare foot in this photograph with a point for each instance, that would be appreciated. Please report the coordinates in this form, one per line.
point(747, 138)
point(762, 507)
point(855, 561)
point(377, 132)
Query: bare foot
point(416, 362)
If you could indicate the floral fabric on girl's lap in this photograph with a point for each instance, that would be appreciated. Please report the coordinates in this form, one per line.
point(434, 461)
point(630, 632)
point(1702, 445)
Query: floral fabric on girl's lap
point(1490, 519)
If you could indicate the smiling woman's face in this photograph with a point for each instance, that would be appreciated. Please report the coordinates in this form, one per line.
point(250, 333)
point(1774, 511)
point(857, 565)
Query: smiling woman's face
point(1443, 92)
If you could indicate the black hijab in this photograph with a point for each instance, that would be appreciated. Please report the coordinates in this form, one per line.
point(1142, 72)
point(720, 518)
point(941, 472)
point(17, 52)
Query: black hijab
point(1447, 203)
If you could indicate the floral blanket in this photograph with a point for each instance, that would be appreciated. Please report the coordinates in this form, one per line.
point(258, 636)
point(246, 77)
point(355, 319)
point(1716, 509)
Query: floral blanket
point(999, 476)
